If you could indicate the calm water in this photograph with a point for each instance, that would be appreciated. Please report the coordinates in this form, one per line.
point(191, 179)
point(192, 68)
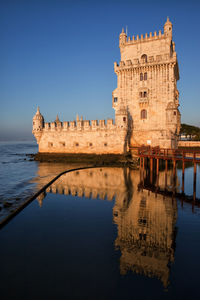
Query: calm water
point(19, 178)
point(96, 234)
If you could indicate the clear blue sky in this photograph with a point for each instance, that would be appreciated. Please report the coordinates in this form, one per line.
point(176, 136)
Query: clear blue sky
point(59, 55)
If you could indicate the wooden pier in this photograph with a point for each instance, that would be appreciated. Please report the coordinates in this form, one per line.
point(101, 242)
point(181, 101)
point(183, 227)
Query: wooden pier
point(151, 157)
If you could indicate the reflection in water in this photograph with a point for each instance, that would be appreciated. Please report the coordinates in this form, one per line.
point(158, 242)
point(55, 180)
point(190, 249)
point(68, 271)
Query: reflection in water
point(145, 221)
point(146, 232)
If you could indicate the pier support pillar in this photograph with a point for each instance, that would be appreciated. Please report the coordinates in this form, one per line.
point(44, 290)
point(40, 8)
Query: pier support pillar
point(194, 181)
point(183, 176)
point(157, 165)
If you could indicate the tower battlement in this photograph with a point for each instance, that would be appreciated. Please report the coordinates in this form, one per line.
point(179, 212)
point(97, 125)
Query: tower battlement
point(80, 125)
point(147, 45)
point(144, 37)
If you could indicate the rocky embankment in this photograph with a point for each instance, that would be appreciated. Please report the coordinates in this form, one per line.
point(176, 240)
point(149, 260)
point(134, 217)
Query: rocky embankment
point(91, 159)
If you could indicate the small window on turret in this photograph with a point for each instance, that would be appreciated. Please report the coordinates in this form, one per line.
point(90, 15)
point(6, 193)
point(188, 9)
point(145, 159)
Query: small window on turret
point(145, 76)
point(145, 94)
point(33, 123)
point(175, 113)
point(105, 144)
point(141, 76)
point(124, 119)
point(115, 99)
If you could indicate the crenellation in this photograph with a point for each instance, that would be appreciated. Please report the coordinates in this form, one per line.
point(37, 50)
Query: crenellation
point(79, 124)
point(65, 125)
point(59, 125)
point(47, 126)
point(94, 124)
point(102, 123)
point(72, 125)
point(53, 125)
point(86, 124)
point(110, 123)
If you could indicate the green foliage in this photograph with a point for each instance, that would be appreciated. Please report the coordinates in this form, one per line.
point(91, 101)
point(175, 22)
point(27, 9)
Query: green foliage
point(190, 131)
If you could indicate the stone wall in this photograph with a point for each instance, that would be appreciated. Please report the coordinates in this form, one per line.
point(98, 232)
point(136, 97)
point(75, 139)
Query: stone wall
point(83, 137)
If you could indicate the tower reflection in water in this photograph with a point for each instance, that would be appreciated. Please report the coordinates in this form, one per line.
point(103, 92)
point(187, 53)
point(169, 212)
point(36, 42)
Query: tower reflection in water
point(145, 220)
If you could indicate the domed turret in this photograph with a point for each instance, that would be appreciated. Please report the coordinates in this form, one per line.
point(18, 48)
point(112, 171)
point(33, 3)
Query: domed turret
point(121, 117)
point(38, 121)
point(38, 125)
point(168, 28)
point(122, 38)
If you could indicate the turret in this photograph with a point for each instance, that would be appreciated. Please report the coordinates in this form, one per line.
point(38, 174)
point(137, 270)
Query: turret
point(38, 125)
point(122, 38)
point(121, 117)
point(168, 28)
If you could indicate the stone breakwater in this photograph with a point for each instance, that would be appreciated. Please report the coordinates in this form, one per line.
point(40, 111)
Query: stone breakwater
point(91, 159)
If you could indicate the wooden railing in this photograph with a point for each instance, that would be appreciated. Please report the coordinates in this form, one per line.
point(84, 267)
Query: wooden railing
point(169, 154)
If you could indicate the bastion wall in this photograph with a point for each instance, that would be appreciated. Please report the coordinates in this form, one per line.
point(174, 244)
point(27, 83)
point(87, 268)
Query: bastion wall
point(99, 137)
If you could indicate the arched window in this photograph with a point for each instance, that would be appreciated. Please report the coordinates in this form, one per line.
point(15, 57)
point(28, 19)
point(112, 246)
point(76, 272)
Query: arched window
point(145, 76)
point(141, 76)
point(144, 58)
point(143, 114)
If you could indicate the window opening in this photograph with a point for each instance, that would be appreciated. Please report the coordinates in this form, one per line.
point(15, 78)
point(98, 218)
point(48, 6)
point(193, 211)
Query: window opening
point(144, 58)
point(143, 114)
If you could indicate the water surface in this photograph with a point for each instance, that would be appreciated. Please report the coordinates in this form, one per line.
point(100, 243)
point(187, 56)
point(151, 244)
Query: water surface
point(94, 234)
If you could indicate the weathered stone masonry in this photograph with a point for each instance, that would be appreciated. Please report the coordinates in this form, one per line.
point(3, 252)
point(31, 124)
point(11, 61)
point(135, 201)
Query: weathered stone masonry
point(146, 104)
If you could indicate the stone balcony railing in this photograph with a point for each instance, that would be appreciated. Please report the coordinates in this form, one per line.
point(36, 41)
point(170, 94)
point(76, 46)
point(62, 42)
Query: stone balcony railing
point(152, 60)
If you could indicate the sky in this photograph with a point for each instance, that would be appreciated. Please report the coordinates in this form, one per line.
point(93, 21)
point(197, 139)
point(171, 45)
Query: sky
point(59, 55)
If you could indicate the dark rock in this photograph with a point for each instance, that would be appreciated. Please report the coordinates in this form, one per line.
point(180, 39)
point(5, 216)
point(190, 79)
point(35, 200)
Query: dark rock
point(7, 204)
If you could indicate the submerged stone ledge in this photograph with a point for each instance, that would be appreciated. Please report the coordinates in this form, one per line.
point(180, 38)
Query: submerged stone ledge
point(94, 159)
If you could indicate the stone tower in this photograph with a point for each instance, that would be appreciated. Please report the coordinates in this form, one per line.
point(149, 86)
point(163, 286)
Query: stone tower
point(147, 78)
point(38, 125)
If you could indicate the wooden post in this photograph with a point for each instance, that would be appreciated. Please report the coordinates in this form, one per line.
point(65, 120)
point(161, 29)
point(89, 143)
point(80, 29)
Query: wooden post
point(194, 182)
point(157, 165)
point(174, 176)
point(174, 167)
point(151, 170)
point(183, 176)
point(166, 165)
